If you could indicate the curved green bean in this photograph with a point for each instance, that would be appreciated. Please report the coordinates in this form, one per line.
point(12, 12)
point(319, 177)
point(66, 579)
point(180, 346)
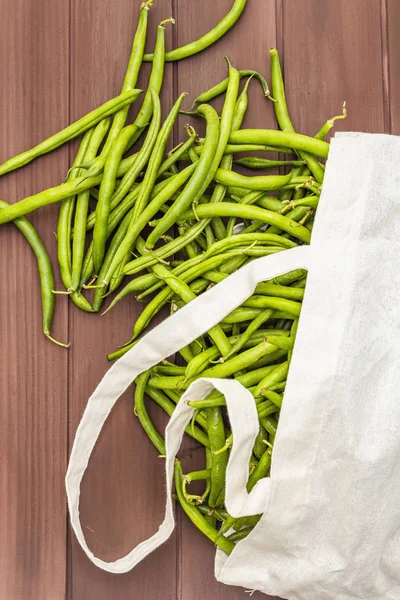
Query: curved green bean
point(280, 139)
point(209, 38)
point(72, 131)
point(45, 272)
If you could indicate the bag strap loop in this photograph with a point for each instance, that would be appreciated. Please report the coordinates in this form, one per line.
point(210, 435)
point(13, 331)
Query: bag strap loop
point(180, 329)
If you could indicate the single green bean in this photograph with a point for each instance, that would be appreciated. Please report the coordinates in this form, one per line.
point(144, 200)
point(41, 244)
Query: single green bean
point(65, 217)
point(226, 209)
point(282, 113)
point(277, 375)
point(142, 414)
point(70, 132)
point(255, 162)
point(209, 38)
point(81, 208)
point(221, 87)
point(216, 435)
point(286, 139)
point(45, 272)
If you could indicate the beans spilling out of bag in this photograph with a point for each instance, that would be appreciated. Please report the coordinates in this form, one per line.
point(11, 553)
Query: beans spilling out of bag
point(166, 226)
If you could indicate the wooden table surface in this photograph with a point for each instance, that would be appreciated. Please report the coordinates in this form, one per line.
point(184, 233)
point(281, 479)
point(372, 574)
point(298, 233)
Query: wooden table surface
point(61, 59)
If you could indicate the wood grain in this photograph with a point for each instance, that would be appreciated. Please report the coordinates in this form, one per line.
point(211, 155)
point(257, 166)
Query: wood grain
point(33, 378)
point(61, 60)
point(121, 500)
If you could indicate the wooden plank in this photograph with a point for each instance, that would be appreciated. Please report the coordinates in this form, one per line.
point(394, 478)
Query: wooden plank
point(332, 53)
point(247, 47)
point(123, 491)
point(33, 378)
point(390, 28)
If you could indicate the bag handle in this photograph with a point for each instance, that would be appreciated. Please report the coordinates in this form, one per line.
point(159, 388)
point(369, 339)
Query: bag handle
point(180, 329)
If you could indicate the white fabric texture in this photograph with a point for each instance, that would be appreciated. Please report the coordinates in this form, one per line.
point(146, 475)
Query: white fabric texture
point(331, 508)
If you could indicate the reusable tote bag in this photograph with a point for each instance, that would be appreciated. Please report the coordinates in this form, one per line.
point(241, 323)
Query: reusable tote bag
point(331, 508)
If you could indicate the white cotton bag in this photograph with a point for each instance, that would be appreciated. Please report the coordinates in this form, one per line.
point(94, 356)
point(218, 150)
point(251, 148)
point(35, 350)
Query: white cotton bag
point(331, 508)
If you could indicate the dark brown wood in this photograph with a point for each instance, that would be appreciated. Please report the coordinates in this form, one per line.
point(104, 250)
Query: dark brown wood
point(121, 500)
point(34, 85)
point(61, 59)
point(333, 53)
point(391, 54)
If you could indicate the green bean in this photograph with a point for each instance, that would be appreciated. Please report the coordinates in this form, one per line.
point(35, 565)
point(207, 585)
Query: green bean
point(146, 187)
point(103, 205)
point(255, 162)
point(198, 182)
point(219, 229)
point(274, 397)
point(216, 435)
point(260, 182)
point(165, 403)
point(82, 205)
point(241, 361)
point(240, 535)
point(239, 315)
point(282, 304)
point(113, 248)
point(286, 139)
point(250, 330)
point(46, 197)
point(143, 156)
point(266, 409)
point(169, 370)
point(167, 250)
point(236, 148)
point(261, 470)
point(232, 118)
point(65, 217)
point(157, 74)
point(282, 113)
point(323, 132)
point(136, 227)
point(293, 333)
point(224, 130)
point(130, 79)
point(209, 236)
point(225, 209)
point(45, 272)
point(182, 289)
point(221, 87)
point(132, 286)
point(209, 38)
point(243, 239)
point(142, 414)
point(275, 376)
point(174, 157)
point(106, 190)
point(254, 377)
point(203, 475)
point(196, 517)
point(309, 201)
point(270, 425)
point(70, 132)
point(156, 158)
point(201, 361)
point(259, 444)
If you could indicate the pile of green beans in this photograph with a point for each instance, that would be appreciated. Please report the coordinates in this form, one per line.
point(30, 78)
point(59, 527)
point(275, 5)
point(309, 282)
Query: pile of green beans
point(167, 225)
